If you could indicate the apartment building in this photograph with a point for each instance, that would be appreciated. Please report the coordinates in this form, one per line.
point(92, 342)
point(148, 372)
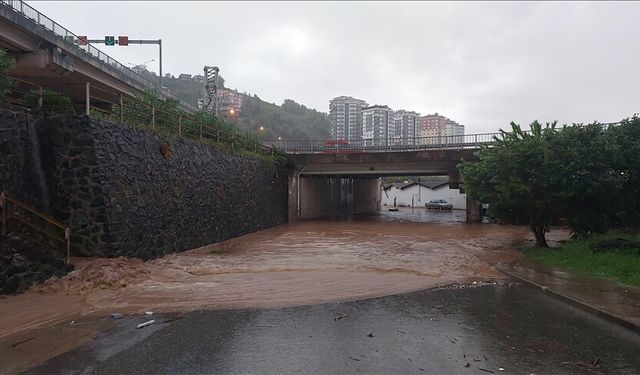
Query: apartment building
point(406, 125)
point(345, 117)
point(378, 125)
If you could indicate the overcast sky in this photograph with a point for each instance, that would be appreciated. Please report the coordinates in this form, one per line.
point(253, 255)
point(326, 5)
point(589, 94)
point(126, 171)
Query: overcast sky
point(481, 64)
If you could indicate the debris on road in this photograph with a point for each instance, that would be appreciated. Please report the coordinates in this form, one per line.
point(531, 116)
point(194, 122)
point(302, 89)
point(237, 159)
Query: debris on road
point(485, 370)
point(22, 342)
point(148, 312)
point(355, 359)
point(147, 323)
point(467, 365)
point(116, 316)
point(340, 317)
point(370, 335)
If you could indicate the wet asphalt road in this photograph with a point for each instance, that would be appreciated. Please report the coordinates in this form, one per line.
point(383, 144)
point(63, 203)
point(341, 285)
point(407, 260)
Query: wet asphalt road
point(445, 331)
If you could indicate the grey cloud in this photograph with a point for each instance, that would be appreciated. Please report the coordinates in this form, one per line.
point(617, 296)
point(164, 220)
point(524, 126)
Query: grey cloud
point(482, 64)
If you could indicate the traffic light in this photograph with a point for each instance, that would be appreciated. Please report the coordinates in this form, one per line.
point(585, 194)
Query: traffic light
point(123, 40)
point(109, 40)
point(83, 40)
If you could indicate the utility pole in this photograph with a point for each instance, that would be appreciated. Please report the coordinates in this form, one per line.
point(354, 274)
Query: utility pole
point(211, 88)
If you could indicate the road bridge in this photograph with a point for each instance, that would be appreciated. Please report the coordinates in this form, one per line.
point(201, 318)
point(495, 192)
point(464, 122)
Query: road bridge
point(47, 54)
point(331, 177)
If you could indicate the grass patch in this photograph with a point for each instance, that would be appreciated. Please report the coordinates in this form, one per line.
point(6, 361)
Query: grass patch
point(621, 264)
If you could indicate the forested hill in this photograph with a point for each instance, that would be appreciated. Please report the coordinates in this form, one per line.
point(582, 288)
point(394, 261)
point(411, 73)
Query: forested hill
point(289, 120)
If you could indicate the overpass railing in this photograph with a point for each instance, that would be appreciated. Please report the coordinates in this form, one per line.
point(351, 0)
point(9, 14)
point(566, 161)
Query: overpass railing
point(382, 145)
point(70, 39)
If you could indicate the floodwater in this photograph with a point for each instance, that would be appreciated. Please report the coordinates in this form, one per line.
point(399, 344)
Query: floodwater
point(304, 263)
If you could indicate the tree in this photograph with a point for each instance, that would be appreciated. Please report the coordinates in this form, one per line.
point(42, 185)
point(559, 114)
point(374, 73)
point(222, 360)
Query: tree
point(626, 165)
point(515, 176)
point(6, 62)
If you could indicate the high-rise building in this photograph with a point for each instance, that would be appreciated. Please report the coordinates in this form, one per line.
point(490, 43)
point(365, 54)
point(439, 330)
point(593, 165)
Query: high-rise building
point(345, 117)
point(378, 126)
point(406, 126)
point(437, 129)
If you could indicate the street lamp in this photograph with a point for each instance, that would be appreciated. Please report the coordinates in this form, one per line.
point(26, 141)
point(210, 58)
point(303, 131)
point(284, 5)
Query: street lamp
point(261, 128)
point(143, 64)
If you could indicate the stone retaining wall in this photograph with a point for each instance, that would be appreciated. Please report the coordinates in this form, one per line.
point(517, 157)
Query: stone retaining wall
point(132, 192)
point(123, 196)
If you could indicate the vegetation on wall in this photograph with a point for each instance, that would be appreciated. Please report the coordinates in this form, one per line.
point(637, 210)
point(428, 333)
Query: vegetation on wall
point(6, 62)
point(164, 116)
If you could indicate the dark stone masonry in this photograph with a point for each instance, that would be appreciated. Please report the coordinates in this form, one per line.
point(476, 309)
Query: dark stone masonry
point(126, 191)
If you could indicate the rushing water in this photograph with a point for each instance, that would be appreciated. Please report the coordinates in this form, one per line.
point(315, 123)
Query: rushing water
point(303, 263)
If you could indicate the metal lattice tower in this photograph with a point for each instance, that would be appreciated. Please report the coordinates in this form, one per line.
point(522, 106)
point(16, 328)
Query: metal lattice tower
point(211, 88)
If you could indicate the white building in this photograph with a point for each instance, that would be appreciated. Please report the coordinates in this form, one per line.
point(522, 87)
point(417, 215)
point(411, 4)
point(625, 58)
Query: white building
point(345, 118)
point(413, 194)
point(378, 126)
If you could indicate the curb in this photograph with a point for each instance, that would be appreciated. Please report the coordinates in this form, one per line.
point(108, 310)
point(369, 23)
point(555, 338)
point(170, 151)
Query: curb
point(576, 302)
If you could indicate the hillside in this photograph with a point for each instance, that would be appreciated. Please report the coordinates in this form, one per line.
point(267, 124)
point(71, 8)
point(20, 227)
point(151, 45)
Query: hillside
point(290, 120)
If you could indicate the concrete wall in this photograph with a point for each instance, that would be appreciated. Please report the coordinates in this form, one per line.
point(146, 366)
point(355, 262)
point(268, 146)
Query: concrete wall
point(331, 196)
point(421, 195)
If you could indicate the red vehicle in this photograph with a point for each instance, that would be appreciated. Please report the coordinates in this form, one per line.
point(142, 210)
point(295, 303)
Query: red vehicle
point(338, 146)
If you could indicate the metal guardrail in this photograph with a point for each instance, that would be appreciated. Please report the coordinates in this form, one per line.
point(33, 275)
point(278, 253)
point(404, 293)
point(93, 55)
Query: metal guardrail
point(382, 145)
point(133, 112)
point(69, 38)
point(25, 221)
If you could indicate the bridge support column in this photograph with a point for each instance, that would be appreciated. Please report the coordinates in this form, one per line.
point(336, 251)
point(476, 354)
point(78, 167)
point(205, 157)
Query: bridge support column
point(473, 210)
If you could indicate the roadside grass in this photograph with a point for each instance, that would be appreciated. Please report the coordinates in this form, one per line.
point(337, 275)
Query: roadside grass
point(576, 255)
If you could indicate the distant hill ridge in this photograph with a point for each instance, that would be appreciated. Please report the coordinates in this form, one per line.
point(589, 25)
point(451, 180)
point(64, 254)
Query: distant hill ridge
point(290, 120)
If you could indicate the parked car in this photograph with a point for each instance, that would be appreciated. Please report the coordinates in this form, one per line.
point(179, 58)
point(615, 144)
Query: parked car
point(439, 204)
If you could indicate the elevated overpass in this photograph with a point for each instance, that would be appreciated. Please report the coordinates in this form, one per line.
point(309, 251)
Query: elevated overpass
point(47, 54)
point(332, 177)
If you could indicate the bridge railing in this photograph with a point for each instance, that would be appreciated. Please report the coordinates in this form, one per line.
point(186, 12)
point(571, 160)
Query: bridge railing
point(70, 39)
point(382, 145)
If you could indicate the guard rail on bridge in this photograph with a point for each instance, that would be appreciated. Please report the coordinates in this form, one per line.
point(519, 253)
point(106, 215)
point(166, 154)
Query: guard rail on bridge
point(382, 145)
point(69, 39)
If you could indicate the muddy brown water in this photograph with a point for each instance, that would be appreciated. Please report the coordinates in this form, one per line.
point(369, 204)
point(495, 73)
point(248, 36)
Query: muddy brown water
point(295, 264)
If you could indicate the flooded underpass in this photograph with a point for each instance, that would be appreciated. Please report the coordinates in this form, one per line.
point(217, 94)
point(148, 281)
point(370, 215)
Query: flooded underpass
point(304, 263)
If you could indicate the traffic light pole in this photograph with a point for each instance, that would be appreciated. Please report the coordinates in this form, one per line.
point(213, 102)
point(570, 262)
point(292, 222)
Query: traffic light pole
point(139, 41)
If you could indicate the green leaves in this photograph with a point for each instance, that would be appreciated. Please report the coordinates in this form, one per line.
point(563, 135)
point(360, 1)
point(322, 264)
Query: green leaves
point(587, 174)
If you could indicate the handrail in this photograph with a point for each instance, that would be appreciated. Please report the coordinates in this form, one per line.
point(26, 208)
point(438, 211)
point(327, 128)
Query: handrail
point(9, 197)
point(7, 214)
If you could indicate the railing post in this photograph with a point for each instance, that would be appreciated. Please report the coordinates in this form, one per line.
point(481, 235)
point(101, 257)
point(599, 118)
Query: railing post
point(153, 117)
point(3, 217)
point(67, 237)
point(121, 109)
point(40, 101)
point(200, 129)
point(87, 99)
point(218, 135)
point(180, 124)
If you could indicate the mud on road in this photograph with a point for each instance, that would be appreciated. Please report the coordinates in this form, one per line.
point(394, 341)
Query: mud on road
point(291, 265)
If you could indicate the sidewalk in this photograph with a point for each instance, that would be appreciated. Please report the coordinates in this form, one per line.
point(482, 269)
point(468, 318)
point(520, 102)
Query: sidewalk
point(610, 300)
